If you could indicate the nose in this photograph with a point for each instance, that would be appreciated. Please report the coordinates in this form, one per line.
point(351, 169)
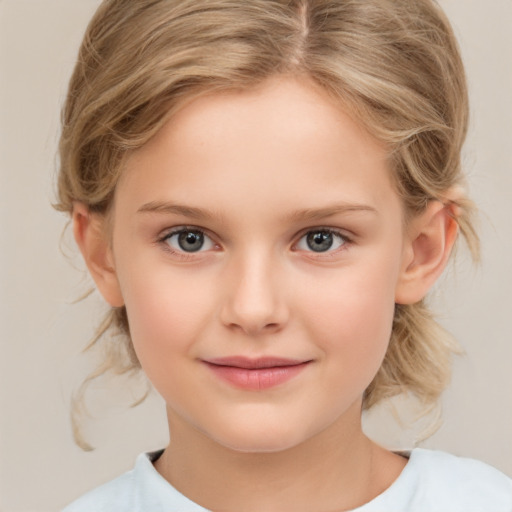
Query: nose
point(254, 300)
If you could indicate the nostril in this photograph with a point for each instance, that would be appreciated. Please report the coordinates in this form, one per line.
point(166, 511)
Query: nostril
point(255, 328)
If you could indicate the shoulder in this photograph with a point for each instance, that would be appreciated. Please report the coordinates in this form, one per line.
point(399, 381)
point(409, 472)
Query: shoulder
point(115, 495)
point(138, 490)
point(459, 483)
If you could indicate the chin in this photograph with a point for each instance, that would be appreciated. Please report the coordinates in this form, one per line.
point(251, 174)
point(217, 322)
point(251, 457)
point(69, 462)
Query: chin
point(258, 445)
point(262, 439)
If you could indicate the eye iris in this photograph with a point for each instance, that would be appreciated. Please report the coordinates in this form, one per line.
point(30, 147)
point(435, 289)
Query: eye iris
point(190, 241)
point(320, 241)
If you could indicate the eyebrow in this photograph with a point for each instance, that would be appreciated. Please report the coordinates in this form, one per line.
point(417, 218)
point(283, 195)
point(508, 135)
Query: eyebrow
point(177, 209)
point(329, 211)
point(307, 214)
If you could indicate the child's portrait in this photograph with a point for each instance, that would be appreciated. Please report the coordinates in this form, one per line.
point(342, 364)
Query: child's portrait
point(256, 256)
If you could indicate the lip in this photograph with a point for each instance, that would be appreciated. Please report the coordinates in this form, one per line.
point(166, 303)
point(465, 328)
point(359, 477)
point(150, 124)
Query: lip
point(256, 374)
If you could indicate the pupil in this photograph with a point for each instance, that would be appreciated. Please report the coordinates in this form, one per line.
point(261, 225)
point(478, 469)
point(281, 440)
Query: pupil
point(320, 241)
point(190, 241)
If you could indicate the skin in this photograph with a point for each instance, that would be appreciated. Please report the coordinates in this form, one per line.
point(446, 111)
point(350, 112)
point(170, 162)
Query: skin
point(252, 161)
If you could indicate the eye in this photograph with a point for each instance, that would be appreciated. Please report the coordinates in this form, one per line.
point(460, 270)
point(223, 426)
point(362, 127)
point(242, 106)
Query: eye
point(321, 240)
point(188, 240)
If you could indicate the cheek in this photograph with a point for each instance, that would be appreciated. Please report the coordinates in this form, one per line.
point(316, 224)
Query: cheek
point(166, 312)
point(351, 320)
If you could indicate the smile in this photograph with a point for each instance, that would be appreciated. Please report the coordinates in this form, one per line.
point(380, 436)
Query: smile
point(256, 374)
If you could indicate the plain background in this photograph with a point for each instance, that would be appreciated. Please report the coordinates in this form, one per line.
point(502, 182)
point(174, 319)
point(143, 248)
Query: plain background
point(42, 332)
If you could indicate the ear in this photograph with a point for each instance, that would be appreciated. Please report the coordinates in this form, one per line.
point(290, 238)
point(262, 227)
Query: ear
point(428, 245)
point(91, 236)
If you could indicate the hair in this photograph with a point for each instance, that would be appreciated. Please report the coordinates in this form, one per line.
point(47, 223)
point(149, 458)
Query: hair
point(392, 64)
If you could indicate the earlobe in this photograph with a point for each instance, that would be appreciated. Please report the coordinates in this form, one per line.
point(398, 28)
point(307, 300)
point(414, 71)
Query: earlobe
point(92, 239)
point(427, 249)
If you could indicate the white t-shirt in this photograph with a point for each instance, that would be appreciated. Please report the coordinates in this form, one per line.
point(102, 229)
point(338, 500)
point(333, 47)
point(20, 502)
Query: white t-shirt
point(432, 481)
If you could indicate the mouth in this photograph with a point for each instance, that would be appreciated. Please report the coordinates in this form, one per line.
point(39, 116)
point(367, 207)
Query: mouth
point(251, 364)
point(256, 374)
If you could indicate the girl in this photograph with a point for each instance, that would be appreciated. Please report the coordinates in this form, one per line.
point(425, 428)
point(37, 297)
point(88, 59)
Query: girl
point(264, 192)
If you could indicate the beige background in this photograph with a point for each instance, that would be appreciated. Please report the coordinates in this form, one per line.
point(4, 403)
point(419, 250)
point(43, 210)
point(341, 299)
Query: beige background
point(42, 333)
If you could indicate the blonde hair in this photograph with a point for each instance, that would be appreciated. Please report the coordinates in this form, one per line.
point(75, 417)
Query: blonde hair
point(393, 64)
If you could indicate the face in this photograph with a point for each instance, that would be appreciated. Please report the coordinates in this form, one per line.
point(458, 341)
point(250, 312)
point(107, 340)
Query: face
point(257, 244)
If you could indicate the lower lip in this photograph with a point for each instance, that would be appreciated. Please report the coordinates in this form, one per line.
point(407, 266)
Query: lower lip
point(257, 379)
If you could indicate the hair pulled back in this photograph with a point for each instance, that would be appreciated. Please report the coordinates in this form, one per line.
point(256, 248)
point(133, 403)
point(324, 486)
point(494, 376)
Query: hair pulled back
point(393, 64)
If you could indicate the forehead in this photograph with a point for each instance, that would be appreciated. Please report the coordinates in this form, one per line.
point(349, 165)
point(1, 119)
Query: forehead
point(283, 142)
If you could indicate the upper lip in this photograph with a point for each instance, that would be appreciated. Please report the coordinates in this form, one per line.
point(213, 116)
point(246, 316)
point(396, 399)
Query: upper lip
point(253, 363)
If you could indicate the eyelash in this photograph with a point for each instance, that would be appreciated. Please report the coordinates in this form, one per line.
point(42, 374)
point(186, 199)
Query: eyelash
point(329, 254)
point(163, 241)
point(183, 255)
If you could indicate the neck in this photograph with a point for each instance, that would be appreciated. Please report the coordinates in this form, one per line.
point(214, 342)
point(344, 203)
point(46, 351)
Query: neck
point(337, 469)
